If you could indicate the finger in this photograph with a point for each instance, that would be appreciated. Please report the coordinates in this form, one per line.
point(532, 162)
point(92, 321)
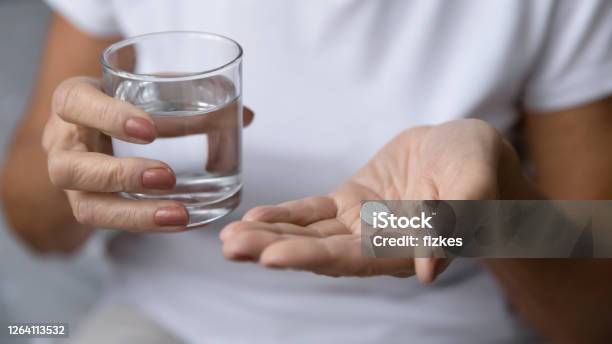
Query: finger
point(301, 212)
point(248, 116)
point(329, 227)
point(245, 240)
point(317, 229)
point(338, 255)
point(311, 254)
point(425, 270)
point(80, 101)
point(248, 244)
point(428, 269)
point(115, 212)
point(222, 119)
point(234, 228)
point(223, 152)
point(97, 172)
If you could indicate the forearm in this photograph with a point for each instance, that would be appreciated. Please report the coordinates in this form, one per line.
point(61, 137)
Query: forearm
point(37, 211)
point(568, 301)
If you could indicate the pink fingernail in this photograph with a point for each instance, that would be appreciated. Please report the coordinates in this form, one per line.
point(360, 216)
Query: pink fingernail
point(171, 216)
point(158, 179)
point(140, 129)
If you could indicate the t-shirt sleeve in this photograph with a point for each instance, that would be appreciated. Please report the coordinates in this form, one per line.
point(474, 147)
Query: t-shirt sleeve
point(94, 17)
point(574, 65)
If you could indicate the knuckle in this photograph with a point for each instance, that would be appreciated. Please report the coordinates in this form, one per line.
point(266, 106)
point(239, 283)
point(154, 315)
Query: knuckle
point(49, 136)
point(128, 218)
point(235, 250)
point(59, 170)
point(83, 212)
point(107, 177)
point(109, 114)
point(230, 251)
point(235, 228)
point(118, 178)
point(243, 240)
point(63, 95)
point(47, 140)
point(77, 172)
point(257, 214)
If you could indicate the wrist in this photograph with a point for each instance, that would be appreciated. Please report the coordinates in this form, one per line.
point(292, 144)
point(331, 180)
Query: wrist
point(513, 182)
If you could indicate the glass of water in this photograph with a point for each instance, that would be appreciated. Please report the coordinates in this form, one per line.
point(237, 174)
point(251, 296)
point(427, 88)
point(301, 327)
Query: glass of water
point(191, 85)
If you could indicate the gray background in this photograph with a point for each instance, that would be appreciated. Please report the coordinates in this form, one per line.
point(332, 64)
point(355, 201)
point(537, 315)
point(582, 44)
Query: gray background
point(35, 288)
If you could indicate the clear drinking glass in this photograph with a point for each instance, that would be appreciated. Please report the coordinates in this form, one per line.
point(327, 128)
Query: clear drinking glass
point(191, 85)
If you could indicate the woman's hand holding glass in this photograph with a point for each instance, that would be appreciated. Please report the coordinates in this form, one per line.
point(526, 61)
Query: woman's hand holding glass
point(80, 161)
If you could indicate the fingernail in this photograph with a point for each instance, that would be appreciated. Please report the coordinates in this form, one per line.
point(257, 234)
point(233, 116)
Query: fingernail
point(140, 129)
point(158, 179)
point(171, 216)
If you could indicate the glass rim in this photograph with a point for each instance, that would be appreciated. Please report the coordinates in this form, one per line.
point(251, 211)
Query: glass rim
point(165, 78)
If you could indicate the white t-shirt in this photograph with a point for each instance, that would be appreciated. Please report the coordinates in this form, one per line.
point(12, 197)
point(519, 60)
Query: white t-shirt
point(331, 81)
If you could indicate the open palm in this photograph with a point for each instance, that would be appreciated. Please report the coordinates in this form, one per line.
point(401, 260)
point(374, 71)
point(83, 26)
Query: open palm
point(463, 159)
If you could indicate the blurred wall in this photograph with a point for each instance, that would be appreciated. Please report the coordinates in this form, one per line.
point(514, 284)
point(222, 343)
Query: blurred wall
point(35, 288)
